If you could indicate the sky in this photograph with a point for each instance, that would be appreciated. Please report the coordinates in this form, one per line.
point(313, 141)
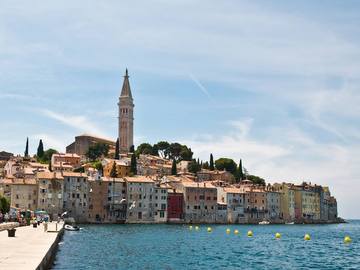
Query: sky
point(275, 83)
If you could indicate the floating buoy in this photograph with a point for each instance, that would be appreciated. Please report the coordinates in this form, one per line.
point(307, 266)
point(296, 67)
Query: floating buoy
point(209, 229)
point(250, 234)
point(228, 231)
point(277, 235)
point(190, 227)
point(347, 239)
point(236, 232)
point(196, 228)
point(307, 237)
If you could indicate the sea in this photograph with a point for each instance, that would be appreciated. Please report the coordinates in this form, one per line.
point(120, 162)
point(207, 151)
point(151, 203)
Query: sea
point(154, 246)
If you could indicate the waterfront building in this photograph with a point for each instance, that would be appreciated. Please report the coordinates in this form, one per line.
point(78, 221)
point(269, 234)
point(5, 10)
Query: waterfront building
point(160, 200)
point(82, 143)
point(140, 199)
point(75, 199)
point(273, 205)
point(65, 162)
point(234, 199)
point(324, 203)
point(98, 201)
point(50, 193)
point(333, 214)
point(287, 201)
point(175, 205)
point(200, 201)
point(122, 166)
point(116, 199)
point(126, 116)
point(24, 194)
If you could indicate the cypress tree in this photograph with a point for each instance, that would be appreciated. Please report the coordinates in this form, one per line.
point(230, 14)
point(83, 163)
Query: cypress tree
point(50, 168)
point(113, 172)
point(241, 174)
point(132, 149)
point(133, 166)
point(26, 153)
point(40, 150)
point(173, 168)
point(117, 149)
point(211, 166)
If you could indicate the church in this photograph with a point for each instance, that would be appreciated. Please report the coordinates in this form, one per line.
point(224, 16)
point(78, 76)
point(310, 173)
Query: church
point(126, 117)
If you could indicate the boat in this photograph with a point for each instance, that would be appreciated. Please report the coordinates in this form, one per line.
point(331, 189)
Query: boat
point(71, 227)
point(289, 223)
point(264, 222)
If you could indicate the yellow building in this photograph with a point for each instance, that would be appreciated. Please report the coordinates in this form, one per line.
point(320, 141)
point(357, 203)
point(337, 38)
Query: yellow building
point(287, 201)
point(122, 167)
point(24, 194)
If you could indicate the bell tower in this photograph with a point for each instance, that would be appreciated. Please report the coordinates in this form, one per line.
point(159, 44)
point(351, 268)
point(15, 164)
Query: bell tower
point(126, 116)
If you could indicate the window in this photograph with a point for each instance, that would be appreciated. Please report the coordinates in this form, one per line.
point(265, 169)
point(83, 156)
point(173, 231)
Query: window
point(201, 197)
point(162, 214)
point(163, 206)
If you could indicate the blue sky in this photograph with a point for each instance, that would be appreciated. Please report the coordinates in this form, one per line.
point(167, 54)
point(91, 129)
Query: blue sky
point(275, 83)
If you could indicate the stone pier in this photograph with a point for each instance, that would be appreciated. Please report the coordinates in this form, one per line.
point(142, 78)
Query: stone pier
point(31, 248)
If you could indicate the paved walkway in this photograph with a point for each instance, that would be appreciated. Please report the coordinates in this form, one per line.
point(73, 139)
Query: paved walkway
point(28, 248)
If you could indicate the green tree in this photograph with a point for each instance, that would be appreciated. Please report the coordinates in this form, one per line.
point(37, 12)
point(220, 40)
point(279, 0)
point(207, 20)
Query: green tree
point(133, 165)
point(132, 149)
point(144, 149)
point(26, 153)
point(173, 168)
point(256, 180)
point(226, 163)
point(40, 150)
point(97, 150)
point(206, 166)
point(194, 166)
point(46, 158)
point(186, 153)
point(117, 149)
point(98, 165)
point(211, 165)
point(4, 205)
point(239, 175)
point(113, 172)
point(163, 149)
point(50, 168)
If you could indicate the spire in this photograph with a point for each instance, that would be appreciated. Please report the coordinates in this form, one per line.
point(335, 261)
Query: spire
point(126, 91)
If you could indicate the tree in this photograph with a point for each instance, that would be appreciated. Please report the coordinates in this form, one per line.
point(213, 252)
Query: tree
point(98, 165)
point(173, 168)
point(97, 150)
point(144, 149)
point(50, 168)
point(4, 205)
point(194, 166)
point(26, 153)
point(113, 172)
point(40, 150)
point(211, 166)
point(117, 149)
point(132, 149)
point(239, 175)
point(46, 158)
point(174, 151)
point(186, 153)
point(133, 166)
point(163, 149)
point(226, 164)
point(206, 166)
point(256, 180)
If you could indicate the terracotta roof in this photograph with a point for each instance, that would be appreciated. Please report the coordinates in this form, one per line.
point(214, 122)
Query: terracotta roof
point(197, 184)
point(49, 175)
point(139, 179)
point(232, 190)
point(73, 174)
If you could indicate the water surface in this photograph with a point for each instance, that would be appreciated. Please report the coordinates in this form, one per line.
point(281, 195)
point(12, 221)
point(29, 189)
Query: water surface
point(176, 247)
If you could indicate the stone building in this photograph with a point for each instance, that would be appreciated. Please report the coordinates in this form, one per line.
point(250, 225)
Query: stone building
point(82, 143)
point(75, 199)
point(65, 162)
point(24, 194)
point(160, 201)
point(140, 199)
point(50, 193)
point(116, 200)
point(234, 199)
point(122, 166)
point(98, 201)
point(126, 116)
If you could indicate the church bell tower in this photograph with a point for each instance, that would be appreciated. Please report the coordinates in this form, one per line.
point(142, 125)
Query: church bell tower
point(126, 117)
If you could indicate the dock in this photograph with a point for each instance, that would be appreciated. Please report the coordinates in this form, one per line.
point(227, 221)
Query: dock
point(31, 248)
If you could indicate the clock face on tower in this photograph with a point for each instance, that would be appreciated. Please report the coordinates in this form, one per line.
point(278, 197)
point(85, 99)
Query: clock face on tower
point(126, 116)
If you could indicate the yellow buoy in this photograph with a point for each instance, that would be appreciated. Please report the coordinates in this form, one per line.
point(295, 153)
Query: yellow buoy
point(236, 232)
point(307, 237)
point(228, 231)
point(209, 229)
point(190, 227)
point(277, 235)
point(250, 234)
point(347, 239)
point(196, 228)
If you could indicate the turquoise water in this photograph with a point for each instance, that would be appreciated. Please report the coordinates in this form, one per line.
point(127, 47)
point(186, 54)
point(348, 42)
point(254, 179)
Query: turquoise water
point(176, 247)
